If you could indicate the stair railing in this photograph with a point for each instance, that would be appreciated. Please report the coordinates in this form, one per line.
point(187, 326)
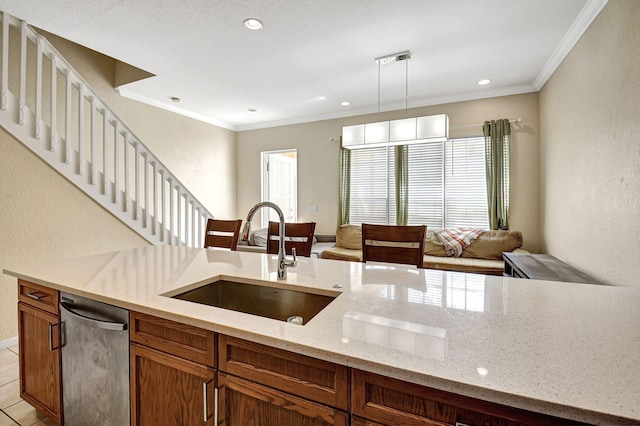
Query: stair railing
point(58, 116)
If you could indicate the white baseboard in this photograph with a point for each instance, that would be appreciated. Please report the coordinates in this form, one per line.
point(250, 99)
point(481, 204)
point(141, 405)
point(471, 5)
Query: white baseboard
point(10, 342)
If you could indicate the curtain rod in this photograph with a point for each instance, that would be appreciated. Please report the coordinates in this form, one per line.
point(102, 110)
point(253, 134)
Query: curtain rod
point(514, 121)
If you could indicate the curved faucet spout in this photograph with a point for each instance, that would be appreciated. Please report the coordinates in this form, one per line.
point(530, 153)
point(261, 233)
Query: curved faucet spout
point(283, 263)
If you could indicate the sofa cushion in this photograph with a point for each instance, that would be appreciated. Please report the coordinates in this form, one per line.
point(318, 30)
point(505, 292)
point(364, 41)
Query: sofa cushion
point(491, 244)
point(432, 245)
point(458, 264)
point(341, 253)
point(349, 237)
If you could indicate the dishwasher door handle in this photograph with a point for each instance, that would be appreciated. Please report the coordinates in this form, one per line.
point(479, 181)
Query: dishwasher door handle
point(105, 325)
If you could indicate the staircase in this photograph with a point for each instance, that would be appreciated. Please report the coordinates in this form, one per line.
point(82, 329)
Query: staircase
point(46, 105)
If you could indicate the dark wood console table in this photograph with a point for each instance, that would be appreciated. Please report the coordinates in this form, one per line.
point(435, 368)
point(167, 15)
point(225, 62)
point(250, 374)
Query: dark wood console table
point(543, 267)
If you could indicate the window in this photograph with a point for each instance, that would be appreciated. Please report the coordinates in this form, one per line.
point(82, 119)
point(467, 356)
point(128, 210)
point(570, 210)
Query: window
point(280, 184)
point(447, 185)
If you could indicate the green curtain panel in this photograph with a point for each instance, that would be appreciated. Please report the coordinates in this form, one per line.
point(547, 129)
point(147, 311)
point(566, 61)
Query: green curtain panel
point(402, 184)
point(344, 182)
point(497, 134)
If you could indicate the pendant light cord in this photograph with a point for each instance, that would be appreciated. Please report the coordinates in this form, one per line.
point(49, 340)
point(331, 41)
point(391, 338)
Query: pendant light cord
point(378, 90)
point(406, 89)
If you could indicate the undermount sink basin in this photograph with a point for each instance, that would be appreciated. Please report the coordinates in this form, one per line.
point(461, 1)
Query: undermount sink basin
point(266, 301)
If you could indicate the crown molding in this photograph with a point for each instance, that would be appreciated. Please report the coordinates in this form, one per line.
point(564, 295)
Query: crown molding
point(587, 15)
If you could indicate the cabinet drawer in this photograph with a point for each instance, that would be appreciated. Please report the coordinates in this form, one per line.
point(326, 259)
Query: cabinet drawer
point(39, 296)
point(307, 377)
point(186, 341)
point(247, 403)
point(390, 402)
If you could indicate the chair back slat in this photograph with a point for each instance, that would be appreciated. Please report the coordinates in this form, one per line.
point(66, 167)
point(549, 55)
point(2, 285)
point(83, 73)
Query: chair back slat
point(393, 243)
point(222, 233)
point(297, 235)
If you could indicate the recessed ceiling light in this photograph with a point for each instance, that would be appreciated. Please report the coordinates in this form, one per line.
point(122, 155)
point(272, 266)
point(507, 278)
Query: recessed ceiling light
point(484, 82)
point(251, 109)
point(322, 98)
point(345, 103)
point(253, 23)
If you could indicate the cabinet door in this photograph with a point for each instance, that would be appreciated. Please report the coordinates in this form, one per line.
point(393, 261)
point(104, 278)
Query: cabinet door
point(40, 374)
point(386, 401)
point(167, 390)
point(244, 403)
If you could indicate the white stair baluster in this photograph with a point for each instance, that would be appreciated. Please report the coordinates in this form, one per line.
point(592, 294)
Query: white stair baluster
point(67, 126)
point(38, 123)
point(5, 61)
point(92, 154)
point(81, 130)
point(126, 172)
point(23, 72)
point(54, 104)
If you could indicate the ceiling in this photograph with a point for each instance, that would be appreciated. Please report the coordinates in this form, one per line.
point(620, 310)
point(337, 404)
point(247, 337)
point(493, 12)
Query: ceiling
point(311, 55)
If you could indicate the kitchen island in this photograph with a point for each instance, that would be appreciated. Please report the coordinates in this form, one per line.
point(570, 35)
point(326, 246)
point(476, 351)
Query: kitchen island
point(567, 350)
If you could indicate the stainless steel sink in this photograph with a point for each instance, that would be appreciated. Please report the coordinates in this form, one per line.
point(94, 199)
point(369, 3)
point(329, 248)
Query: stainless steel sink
point(265, 301)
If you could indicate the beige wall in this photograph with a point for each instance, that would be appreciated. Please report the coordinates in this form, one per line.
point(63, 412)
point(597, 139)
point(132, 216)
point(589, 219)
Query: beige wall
point(590, 150)
point(318, 158)
point(44, 218)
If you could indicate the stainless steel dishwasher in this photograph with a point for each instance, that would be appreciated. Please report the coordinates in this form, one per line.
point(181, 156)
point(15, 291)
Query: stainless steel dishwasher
point(95, 362)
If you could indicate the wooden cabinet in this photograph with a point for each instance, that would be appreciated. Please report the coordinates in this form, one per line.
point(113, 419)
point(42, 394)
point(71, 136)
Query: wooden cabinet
point(247, 403)
point(39, 347)
point(267, 386)
point(173, 380)
point(380, 401)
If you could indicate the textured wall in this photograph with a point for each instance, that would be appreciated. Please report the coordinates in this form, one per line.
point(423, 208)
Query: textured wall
point(318, 158)
point(590, 150)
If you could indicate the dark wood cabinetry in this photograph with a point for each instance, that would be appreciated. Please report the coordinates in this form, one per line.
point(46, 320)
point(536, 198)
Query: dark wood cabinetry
point(168, 390)
point(271, 386)
point(247, 403)
point(173, 380)
point(382, 401)
point(316, 380)
point(39, 347)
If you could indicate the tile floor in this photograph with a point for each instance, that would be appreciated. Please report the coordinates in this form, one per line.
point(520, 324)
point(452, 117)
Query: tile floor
point(13, 410)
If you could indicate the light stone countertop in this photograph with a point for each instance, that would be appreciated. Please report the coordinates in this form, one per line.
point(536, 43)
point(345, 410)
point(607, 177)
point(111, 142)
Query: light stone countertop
point(569, 350)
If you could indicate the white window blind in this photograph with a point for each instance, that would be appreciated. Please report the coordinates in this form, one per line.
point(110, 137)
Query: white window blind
point(447, 185)
point(426, 185)
point(371, 197)
point(465, 184)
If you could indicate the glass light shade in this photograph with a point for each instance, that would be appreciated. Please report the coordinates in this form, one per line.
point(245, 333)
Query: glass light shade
point(397, 132)
point(433, 126)
point(376, 132)
point(402, 130)
point(353, 135)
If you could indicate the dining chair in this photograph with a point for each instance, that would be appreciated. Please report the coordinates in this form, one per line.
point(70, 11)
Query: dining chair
point(297, 235)
point(222, 233)
point(393, 243)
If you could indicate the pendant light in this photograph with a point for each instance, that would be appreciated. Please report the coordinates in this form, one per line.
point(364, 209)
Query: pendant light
point(396, 132)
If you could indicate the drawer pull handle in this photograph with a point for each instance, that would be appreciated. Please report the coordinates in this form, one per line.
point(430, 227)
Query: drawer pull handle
point(215, 407)
point(205, 392)
point(105, 325)
point(51, 337)
point(36, 295)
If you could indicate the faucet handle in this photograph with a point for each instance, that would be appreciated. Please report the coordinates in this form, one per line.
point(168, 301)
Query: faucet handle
point(291, 262)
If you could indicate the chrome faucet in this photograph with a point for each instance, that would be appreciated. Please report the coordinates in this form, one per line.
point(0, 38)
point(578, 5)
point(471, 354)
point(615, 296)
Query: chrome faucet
point(283, 262)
